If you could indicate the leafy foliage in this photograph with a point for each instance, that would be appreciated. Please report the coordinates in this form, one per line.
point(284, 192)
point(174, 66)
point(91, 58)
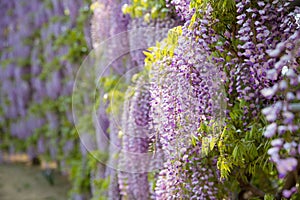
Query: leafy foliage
point(146, 8)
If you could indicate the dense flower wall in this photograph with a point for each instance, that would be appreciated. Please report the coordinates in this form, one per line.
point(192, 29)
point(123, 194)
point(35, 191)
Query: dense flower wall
point(42, 46)
point(213, 101)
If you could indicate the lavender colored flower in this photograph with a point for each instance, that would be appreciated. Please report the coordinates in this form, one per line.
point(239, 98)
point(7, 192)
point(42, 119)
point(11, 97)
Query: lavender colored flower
point(270, 130)
point(286, 165)
point(289, 193)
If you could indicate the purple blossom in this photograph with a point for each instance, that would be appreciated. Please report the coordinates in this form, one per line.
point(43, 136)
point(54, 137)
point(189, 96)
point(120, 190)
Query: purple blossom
point(269, 92)
point(277, 142)
point(286, 165)
point(289, 193)
point(270, 130)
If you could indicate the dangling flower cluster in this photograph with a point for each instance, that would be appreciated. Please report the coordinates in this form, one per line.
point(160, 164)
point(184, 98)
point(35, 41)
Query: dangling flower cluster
point(193, 97)
point(260, 29)
point(190, 177)
point(260, 26)
point(257, 29)
point(146, 34)
point(100, 22)
point(108, 21)
point(136, 129)
point(283, 115)
point(182, 8)
point(183, 87)
point(24, 81)
point(36, 78)
point(178, 109)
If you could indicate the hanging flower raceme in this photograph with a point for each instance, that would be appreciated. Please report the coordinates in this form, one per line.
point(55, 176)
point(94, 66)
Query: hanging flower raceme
point(182, 8)
point(259, 27)
point(136, 130)
point(178, 108)
point(283, 115)
point(241, 46)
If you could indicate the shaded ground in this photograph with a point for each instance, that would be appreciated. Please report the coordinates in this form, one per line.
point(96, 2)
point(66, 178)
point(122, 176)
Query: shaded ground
point(21, 182)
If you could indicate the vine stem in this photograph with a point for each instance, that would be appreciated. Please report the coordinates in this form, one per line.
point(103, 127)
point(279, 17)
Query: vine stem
point(249, 187)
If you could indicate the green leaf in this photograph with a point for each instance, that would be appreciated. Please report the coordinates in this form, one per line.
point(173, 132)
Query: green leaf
point(149, 55)
point(212, 143)
point(194, 140)
point(269, 197)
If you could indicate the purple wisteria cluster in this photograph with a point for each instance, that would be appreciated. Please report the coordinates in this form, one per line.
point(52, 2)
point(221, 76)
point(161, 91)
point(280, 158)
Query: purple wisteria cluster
point(260, 27)
point(15, 90)
point(200, 73)
point(108, 21)
point(192, 98)
point(283, 115)
point(177, 109)
point(187, 89)
point(136, 130)
point(182, 8)
point(100, 22)
point(22, 81)
point(36, 75)
point(242, 47)
point(147, 33)
point(190, 177)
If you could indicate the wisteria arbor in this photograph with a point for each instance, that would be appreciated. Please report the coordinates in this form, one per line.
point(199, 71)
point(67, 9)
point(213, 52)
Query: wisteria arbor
point(206, 108)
